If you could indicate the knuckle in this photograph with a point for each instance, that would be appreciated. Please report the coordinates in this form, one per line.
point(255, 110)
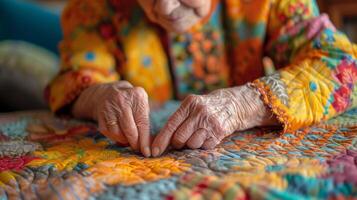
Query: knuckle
point(128, 132)
point(142, 108)
point(217, 126)
point(169, 126)
point(217, 135)
point(202, 109)
point(119, 96)
point(122, 97)
point(179, 139)
point(192, 98)
point(130, 136)
point(107, 105)
point(191, 101)
point(220, 132)
point(139, 91)
point(179, 114)
point(143, 129)
point(142, 122)
point(114, 87)
point(212, 135)
point(211, 145)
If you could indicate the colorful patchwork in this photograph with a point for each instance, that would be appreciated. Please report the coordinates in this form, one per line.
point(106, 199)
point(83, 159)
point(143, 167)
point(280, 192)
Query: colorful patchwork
point(77, 162)
point(316, 64)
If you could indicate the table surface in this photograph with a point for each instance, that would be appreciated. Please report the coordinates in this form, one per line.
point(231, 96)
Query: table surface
point(45, 157)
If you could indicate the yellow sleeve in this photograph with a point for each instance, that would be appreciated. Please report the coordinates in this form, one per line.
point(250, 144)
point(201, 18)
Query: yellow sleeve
point(87, 51)
point(318, 66)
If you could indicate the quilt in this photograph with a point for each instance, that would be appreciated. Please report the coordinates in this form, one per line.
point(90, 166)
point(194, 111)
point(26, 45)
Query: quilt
point(46, 157)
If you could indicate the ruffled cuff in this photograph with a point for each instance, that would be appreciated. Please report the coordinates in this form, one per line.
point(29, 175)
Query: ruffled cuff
point(276, 106)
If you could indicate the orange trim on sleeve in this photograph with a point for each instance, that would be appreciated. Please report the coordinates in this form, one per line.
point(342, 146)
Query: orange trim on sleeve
point(274, 104)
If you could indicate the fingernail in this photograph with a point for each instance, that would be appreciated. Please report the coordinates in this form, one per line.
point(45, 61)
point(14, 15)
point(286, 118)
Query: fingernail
point(147, 152)
point(155, 151)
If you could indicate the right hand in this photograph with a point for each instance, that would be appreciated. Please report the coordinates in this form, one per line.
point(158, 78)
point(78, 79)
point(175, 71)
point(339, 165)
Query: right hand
point(121, 110)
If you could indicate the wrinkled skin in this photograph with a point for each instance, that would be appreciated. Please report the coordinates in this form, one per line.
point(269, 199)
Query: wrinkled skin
point(203, 121)
point(176, 15)
point(122, 113)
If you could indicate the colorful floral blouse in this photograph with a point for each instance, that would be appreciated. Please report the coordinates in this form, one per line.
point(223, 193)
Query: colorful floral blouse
point(108, 40)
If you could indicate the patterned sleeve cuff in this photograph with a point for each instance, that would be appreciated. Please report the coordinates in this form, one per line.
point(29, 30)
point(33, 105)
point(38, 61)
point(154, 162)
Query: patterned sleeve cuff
point(67, 87)
point(276, 106)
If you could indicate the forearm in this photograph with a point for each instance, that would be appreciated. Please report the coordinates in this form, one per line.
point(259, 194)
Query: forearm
point(252, 110)
point(83, 107)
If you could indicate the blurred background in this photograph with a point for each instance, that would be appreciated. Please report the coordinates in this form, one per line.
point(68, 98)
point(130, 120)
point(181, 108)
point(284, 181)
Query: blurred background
point(30, 31)
point(343, 14)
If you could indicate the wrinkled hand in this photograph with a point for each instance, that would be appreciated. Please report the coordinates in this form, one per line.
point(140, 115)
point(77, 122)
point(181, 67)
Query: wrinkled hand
point(203, 121)
point(176, 15)
point(121, 110)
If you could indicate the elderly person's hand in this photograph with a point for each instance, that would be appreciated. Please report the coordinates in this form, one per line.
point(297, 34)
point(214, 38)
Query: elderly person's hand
point(203, 121)
point(176, 15)
point(121, 110)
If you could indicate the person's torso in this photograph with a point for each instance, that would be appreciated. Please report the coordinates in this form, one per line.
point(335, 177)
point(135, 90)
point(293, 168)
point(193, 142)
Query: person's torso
point(226, 50)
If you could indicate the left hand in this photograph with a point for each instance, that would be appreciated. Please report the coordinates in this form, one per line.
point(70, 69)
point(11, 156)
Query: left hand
point(203, 121)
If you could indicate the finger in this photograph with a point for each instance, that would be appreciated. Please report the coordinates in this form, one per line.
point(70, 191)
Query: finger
point(127, 125)
point(141, 117)
point(210, 143)
point(162, 140)
point(115, 136)
point(184, 132)
point(197, 139)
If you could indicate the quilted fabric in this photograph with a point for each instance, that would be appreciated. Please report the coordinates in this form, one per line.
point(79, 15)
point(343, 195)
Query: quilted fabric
point(44, 157)
point(316, 65)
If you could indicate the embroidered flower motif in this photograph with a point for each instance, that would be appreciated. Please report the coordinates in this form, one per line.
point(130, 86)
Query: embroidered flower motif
point(67, 155)
point(346, 74)
point(132, 170)
point(341, 98)
point(17, 163)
